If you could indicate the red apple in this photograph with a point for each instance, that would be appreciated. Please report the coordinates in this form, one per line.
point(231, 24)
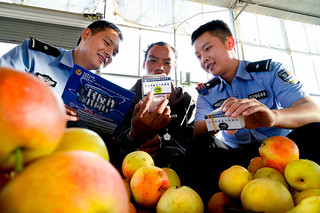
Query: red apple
point(32, 118)
point(277, 151)
point(148, 184)
point(74, 181)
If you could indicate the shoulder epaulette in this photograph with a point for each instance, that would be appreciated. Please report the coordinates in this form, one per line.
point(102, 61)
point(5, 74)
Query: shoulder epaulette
point(259, 66)
point(203, 88)
point(43, 47)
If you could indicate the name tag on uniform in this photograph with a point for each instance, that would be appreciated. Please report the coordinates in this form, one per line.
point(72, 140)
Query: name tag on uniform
point(217, 120)
point(259, 95)
point(156, 83)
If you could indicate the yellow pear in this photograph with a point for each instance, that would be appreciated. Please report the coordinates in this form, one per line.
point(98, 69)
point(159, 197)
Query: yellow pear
point(305, 194)
point(82, 139)
point(308, 205)
point(233, 179)
point(174, 179)
point(266, 195)
point(182, 199)
point(271, 173)
point(303, 174)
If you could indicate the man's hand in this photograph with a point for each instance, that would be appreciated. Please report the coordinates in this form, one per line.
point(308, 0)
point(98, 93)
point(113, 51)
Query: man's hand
point(151, 146)
point(145, 125)
point(255, 113)
point(71, 114)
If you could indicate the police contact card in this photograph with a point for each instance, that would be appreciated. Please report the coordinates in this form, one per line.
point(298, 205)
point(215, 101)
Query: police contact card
point(99, 103)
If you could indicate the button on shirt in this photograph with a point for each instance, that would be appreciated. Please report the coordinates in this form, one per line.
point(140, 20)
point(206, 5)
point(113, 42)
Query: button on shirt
point(54, 71)
point(275, 88)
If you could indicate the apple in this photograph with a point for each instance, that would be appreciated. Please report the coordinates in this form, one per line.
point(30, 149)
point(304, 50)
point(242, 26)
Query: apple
point(219, 202)
point(147, 185)
point(271, 173)
point(76, 138)
point(135, 160)
point(174, 180)
point(308, 205)
point(255, 164)
point(305, 194)
point(32, 118)
point(303, 174)
point(233, 179)
point(182, 199)
point(266, 195)
point(277, 151)
point(74, 181)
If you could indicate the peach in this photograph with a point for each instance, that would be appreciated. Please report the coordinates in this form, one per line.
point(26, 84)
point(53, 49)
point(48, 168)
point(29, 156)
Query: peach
point(255, 164)
point(148, 184)
point(277, 151)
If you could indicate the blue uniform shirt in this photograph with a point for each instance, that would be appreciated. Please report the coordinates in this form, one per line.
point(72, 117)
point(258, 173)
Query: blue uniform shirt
point(50, 64)
point(272, 85)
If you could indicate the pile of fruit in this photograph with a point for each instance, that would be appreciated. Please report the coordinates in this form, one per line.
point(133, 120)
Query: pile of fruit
point(44, 166)
point(275, 181)
point(155, 189)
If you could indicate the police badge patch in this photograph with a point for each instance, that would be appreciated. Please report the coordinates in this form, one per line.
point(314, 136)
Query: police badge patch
point(287, 77)
point(46, 79)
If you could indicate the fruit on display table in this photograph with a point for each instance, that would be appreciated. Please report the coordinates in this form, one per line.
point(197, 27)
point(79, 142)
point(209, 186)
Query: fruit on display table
point(32, 118)
point(74, 181)
point(82, 139)
point(266, 195)
point(233, 179)
point(308, 205)
point(174, 180)
point(135, 160)
point(180, 199)
point(303, 174)
point(305, 194)
point(271, 173)
point(281, 182)
point(255, 164)
point(148, 184)
point(219, 202)
point(277, 151)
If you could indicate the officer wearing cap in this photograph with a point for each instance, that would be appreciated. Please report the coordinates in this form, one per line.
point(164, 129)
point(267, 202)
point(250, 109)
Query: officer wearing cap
point(98, 44)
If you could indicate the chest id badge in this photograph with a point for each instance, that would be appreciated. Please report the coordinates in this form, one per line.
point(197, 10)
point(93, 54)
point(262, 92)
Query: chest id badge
point(217, 120)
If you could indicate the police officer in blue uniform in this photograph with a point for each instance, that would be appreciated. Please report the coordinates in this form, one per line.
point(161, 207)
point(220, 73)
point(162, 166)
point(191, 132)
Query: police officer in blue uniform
point(98, 44)
point(270, 99)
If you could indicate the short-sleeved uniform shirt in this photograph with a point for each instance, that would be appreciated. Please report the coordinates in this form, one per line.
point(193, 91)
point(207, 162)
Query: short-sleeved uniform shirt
point(268, 82)
point(51, 64)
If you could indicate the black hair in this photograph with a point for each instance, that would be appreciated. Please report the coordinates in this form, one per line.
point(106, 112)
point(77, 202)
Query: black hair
point(217, 28)
point(100, 25)
point(160, 43)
